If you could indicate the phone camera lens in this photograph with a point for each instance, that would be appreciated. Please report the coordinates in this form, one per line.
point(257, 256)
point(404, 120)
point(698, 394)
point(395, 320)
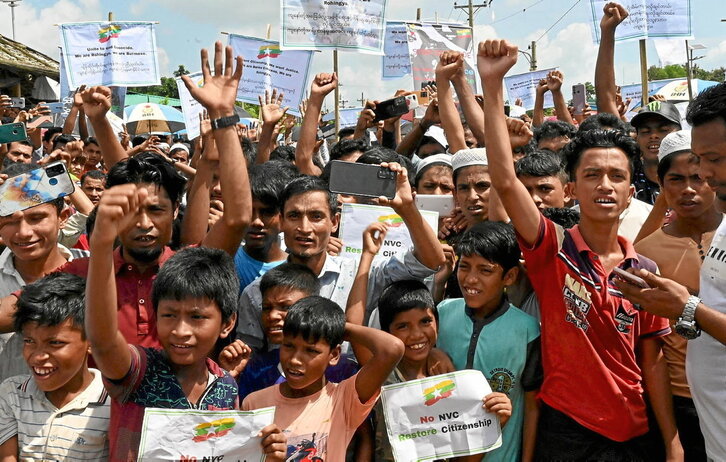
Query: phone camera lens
point(54, 170)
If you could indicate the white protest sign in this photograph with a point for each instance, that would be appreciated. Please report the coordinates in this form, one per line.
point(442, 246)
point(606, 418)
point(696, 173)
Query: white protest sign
point(348, 116)
point(344, 24)
point(635, 94)
point(355, 218)
point(440, 417)
point(524, 86)
point(396, 59)
point(193, 435)
point(119, 54)
point(267, 67)
point(190, 107)
point(647, 19)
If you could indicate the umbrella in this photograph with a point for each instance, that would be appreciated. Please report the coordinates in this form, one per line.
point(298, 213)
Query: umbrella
point(152, 117)
point(678, 89)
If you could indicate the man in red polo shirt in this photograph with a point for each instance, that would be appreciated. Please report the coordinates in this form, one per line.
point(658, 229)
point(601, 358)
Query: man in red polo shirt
point(593, 401)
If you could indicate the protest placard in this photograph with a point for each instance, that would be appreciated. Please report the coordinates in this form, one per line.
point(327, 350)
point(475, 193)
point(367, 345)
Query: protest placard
point(396, 62)
point(355, 218)
point(426, 42)
point(348, 116)
point(647, 19)
point(524, 86)
point(440, 417)
point(266, 67)
point(190, 107)
point(110, 53)
point(634, 92)
point(194, 435)
point(345, 24)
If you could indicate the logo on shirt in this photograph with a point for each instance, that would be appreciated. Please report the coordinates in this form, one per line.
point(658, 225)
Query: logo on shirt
point(578, 302)
point(441, 390)
point(216, 429)
point(502, 380)
point(624, 320)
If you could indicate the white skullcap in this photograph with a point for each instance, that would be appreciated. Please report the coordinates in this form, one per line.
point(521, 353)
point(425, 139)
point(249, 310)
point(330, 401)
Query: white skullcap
point(469, 157)
point(433, 159)
point(674, 142)
point(179, 146)
point(437, 133)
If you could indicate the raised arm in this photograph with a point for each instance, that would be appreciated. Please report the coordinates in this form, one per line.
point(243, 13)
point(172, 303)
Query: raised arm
point(410, 142)
point(451, 64)
point(426, 246)
point(386, 351)
point(554, 84)
point(218, 96)
point(538, 112)
point(305, 149)
point(605, 87)
point(96, 103)
point(117, 210)
point(472, 110)
point(271, 111)
point(70, 123)
point(495, 58)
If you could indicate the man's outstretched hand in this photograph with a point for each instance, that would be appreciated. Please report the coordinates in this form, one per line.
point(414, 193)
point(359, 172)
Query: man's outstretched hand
point(220, 90)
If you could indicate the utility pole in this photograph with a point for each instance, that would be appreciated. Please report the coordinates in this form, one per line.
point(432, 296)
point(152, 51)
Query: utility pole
point(362, 100)
point(469, 7)
point(533, 62)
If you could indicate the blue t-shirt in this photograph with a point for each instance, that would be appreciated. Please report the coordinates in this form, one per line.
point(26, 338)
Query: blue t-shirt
point(249, 269)
point(264, 371)
point(505, 347)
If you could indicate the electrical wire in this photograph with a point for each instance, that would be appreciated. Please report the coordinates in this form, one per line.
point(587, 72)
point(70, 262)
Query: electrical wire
point(517, 12)
point(556, 22)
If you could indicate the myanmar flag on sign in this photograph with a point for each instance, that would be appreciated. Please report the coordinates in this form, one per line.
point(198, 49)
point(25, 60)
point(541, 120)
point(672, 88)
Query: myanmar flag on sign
point(441, 390)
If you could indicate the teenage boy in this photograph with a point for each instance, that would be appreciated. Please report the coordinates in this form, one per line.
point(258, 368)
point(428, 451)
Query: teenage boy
point(93, 182)
point(61, 411)
point(320, 417)
point(309, 216)
point(484, 331)
point(590, 332)
point(262, 248)
point(542, 173)
point(679, 248)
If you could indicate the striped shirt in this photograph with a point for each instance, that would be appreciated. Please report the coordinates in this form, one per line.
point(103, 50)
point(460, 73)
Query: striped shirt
point(77, 431)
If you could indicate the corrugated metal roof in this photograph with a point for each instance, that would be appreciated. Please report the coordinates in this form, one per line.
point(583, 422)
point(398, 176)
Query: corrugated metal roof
point(15, 56)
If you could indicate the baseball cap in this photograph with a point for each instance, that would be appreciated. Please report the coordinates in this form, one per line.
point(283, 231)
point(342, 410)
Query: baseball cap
point(664, 109)
point(674, 142)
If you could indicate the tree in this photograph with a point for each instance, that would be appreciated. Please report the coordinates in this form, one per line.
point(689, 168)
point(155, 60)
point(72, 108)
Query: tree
point(672, 71)
point(182, 70)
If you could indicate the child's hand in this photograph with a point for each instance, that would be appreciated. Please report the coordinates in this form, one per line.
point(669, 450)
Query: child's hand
point(438, 363)
point(234, 357)
point(335, 246)
point(443, 274)
point(373, 237)
point(500, 404)
point(274, 443)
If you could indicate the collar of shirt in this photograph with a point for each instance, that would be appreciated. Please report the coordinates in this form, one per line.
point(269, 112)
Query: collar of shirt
point(95, 393)
point(332, 264)
point(501, 309)
point(122, 265)
point(581, 245)
point(7, 264)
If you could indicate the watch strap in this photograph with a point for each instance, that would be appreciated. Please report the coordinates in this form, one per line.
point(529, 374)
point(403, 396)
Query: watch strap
point(224, 122)
point(689, 311)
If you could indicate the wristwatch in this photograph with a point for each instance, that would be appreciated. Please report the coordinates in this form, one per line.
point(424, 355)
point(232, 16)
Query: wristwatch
point(223, 122)
point(686, 325)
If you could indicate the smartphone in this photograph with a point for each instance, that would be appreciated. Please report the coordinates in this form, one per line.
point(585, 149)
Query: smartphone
point(35, 187)
point(395, 107)
point(436, 203)
point(44, 121)
point(631, 278)
point(423, 97)
point(578, 98)
point(56, 108)
point(365, 180)
point(13, 132)
point(17, 102)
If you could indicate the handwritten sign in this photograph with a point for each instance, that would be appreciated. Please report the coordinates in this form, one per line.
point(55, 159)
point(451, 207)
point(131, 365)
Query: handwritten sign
point(192, 435)
point(648, 19)
point(266, 67)
point(110, 53)
point(524, 86)
point(440, 417)
point(355, 218)
point(346, 24)
point(396, 59)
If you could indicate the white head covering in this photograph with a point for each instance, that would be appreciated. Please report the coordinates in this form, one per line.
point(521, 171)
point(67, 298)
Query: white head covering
point(469, 157)
point(433, 159)
point(674, 142)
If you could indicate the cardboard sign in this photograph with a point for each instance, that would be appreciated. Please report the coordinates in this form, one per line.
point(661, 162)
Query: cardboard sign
point(647, 19)
point(194, 435)
point(110, 53)
point(355, 218)
point(345, 24)
point(440, 417)
point(524, 86)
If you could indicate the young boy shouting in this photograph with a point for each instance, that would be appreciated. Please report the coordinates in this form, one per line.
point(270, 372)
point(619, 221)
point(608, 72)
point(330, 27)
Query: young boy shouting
point(320, 418)
point(61, 411)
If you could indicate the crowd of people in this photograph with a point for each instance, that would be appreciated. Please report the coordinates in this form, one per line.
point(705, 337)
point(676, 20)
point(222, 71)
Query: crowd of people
point(582, 271)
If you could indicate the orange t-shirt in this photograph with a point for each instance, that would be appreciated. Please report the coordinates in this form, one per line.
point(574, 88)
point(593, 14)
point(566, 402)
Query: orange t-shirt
point(319, 425)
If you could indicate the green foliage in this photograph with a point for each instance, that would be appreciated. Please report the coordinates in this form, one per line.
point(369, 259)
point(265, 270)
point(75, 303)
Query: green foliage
point(672, 71)
point(716, 75)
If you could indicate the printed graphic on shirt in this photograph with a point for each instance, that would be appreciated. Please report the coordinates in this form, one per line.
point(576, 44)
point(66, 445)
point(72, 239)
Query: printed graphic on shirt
point(578, 302)
point(306, 448)
point(714, 266)
point(502, 380)
point(441, 390)
point(624, 320)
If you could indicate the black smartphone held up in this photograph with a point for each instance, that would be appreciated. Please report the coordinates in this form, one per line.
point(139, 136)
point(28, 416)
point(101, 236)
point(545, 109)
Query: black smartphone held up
point(578, 98)
point(395, 107)
point(13, 132)
point(365, 180)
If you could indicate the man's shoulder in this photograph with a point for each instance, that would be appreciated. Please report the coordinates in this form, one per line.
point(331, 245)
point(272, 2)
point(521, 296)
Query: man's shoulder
point(14, 386)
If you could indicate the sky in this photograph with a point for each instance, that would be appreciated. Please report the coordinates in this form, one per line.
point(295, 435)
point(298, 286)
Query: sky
point(185, 26)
